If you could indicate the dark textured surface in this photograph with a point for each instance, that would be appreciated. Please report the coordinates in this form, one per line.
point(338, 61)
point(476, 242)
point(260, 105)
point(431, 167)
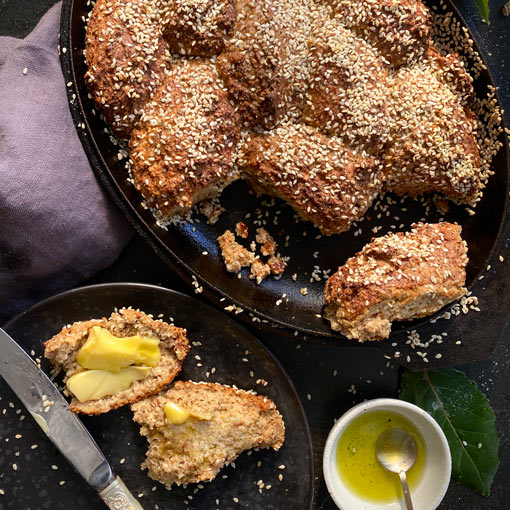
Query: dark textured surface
point(219, 343)
point(281, 301)
point(312, 366)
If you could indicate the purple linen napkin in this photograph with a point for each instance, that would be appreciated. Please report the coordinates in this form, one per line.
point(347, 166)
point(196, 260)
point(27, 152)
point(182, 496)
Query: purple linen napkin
point(57, 226)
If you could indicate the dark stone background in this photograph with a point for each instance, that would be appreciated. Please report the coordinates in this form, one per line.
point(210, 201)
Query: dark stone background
point(325, 396)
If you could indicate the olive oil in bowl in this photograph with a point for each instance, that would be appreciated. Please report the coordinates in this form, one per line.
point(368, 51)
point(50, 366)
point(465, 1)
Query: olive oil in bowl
point(357, 463)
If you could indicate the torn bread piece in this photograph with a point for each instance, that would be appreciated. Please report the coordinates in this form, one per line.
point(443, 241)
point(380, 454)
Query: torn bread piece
point(398, 276)
point(235, 255)
point(207, 427)
point(64, 348)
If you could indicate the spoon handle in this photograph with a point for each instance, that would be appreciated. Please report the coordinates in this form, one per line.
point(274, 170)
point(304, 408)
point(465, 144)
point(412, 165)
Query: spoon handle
point(407, 493)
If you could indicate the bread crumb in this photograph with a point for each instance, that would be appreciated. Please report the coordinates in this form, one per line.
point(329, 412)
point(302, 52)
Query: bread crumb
point(234, 255)
point(237, 256)
point(264, 238)
point(241, 230)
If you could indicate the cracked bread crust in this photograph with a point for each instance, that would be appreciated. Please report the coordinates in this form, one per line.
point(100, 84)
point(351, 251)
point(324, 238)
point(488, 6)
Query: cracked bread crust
point(63, 348)
point(235, 421)
point(398, 276)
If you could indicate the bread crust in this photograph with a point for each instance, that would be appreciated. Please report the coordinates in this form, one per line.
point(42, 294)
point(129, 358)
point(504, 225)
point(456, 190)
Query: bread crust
point(197, 28)
point(182, 150)
point(399, 29)
point(432, 145)
point(119, 83)
point(63, 348)
point(252, 64)
point(349, 87)
point(323, 180)
point(236, 420)
point(398, 276)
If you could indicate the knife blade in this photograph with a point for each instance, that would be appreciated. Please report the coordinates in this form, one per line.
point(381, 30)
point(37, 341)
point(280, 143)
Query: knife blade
point(51, 412)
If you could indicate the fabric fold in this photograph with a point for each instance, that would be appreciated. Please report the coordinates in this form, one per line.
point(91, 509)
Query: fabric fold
point(57, 225)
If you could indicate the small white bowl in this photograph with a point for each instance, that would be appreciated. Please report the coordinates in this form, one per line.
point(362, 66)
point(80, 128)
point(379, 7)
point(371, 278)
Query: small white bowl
point(429, 492)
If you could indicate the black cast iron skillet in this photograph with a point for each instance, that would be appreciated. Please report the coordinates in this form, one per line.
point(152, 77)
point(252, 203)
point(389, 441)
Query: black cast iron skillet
point(280, 303)
point(221, 343)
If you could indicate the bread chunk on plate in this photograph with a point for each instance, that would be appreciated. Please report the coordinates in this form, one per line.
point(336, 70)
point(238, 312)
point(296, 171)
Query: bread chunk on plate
point(63, 349)
point(399, 276)
point(221, 423)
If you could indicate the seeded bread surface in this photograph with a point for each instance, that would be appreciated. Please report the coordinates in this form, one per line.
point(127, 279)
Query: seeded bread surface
point(119, 83)
point(362, 71)
point(195, 451)
point(348, 89)
point(182, 148)
point(319, 176)
point(63, 348)
point(398, 276)
point(432, 145)
point(197, 28)
point(399, 29)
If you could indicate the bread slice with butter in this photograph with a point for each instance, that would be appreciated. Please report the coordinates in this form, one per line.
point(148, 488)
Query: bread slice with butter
point(106, 376)
point(194, 429)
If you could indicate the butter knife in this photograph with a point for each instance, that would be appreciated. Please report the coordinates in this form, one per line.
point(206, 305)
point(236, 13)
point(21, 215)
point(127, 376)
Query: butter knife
point(51, 412)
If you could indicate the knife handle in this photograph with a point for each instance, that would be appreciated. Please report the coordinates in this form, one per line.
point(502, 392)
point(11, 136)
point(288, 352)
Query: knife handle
point(117, 497)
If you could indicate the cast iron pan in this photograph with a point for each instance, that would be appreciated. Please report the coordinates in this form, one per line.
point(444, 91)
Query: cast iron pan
point(224, 344)
point(182, 246)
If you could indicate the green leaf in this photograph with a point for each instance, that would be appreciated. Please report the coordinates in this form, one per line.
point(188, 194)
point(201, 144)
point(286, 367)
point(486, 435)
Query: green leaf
point(465, 415)
point(483, 7)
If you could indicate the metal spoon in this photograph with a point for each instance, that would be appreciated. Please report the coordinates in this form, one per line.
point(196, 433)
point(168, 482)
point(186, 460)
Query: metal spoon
point(396, 451)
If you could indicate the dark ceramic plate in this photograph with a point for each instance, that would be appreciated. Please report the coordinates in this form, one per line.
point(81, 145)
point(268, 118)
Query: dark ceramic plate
point(223, 345)
point(182, 246)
